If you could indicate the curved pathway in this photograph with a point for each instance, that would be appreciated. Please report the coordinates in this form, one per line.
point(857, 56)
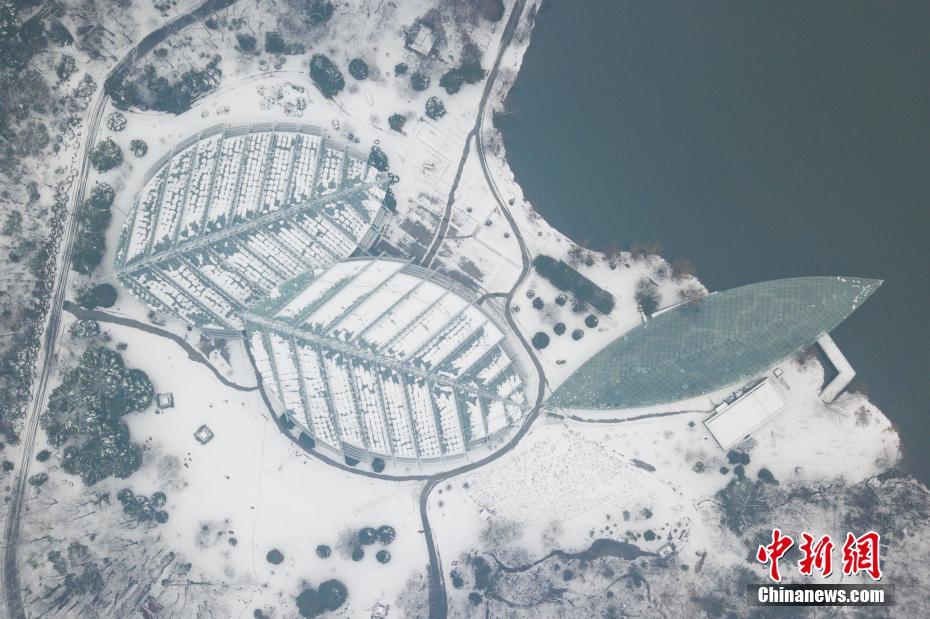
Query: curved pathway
point(438, 601)
point(12, 593)
point(192, 353)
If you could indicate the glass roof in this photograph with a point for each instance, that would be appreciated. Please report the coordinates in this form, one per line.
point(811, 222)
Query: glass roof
point(720, 339)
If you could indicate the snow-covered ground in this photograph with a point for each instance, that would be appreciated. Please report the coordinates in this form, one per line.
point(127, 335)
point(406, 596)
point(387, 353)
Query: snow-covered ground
point(568, 482)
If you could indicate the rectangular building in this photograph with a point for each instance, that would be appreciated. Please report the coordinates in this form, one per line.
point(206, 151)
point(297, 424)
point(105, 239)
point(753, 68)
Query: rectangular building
point(731, 424)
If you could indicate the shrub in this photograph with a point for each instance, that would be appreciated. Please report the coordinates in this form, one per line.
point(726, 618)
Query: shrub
point(491, 10)
point(466, 73)
point(333, 594)
point(13, 223)
point(246, 42)
point(138, 147)
point(38, 479)
point(43, 455)
point(390, 201)
point(386, 534)
point(435, 108)
point(400, 69)
point(738, 457)
point(326, 75)
point(106, 155)
point(83, 329)
point(309, 603)
point(397, 122)
point(540, 340)
point(367, 535)
point(66, 67)
point(318, 12)
point(274, 557)
point(116, 122)
point(451, 81)
point(274, 43)
point(358, 69)
point(101, 295)
point(378, 159)
point(419, 81)
point(766, 476)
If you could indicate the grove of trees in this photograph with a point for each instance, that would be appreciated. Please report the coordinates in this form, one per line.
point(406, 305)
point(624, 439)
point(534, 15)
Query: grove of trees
point(106, 155)
point(85, 415)
point(326, 75)
point(93, 219)
point(331, 595)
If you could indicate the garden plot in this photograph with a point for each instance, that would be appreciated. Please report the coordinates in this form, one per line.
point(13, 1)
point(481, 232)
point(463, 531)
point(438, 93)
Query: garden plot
point(143, 220)
point(174, 194)
point(307, 148)
point(251, 181)
point(351, 293)
point(198, 192)
point(374, 306)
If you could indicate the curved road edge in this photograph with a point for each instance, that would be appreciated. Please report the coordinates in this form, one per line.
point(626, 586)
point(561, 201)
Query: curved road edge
point(9, 580)
point(192, 353)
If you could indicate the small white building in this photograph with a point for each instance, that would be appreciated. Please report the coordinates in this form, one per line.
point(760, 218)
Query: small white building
point(423, 40)
point(730, 424)
point(203, 434)
point(165, 400)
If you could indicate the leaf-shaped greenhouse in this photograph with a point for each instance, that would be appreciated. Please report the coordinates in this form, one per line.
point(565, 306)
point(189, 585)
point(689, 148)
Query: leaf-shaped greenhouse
point(233, 212)
point(376, 357)
point(718, 340)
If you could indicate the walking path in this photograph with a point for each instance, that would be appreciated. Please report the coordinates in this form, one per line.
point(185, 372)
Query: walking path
point(192, 353)
point(12, 594)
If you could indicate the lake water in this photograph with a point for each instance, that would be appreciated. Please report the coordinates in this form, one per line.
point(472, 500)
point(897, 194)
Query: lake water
point(759, 140)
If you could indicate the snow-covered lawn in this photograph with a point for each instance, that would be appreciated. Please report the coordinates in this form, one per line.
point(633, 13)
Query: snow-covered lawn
point(252, 484)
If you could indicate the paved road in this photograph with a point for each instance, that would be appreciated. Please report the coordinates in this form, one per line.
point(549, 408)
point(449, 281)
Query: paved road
point(12, 594)
point(475, 132)
point(437, 594)
point(438, 601)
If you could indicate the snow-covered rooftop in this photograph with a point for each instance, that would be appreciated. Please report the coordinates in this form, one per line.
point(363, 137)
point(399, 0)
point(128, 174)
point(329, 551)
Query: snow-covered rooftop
point(718, 340)
point(234, 211)
point(378, 357)
point(732, 423)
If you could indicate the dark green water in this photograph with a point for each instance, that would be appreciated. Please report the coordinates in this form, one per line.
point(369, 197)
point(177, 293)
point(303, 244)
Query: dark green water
point(759, 140)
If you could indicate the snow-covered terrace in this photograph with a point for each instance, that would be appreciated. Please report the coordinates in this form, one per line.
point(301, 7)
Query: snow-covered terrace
point(381, 358)
point(234, 211)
